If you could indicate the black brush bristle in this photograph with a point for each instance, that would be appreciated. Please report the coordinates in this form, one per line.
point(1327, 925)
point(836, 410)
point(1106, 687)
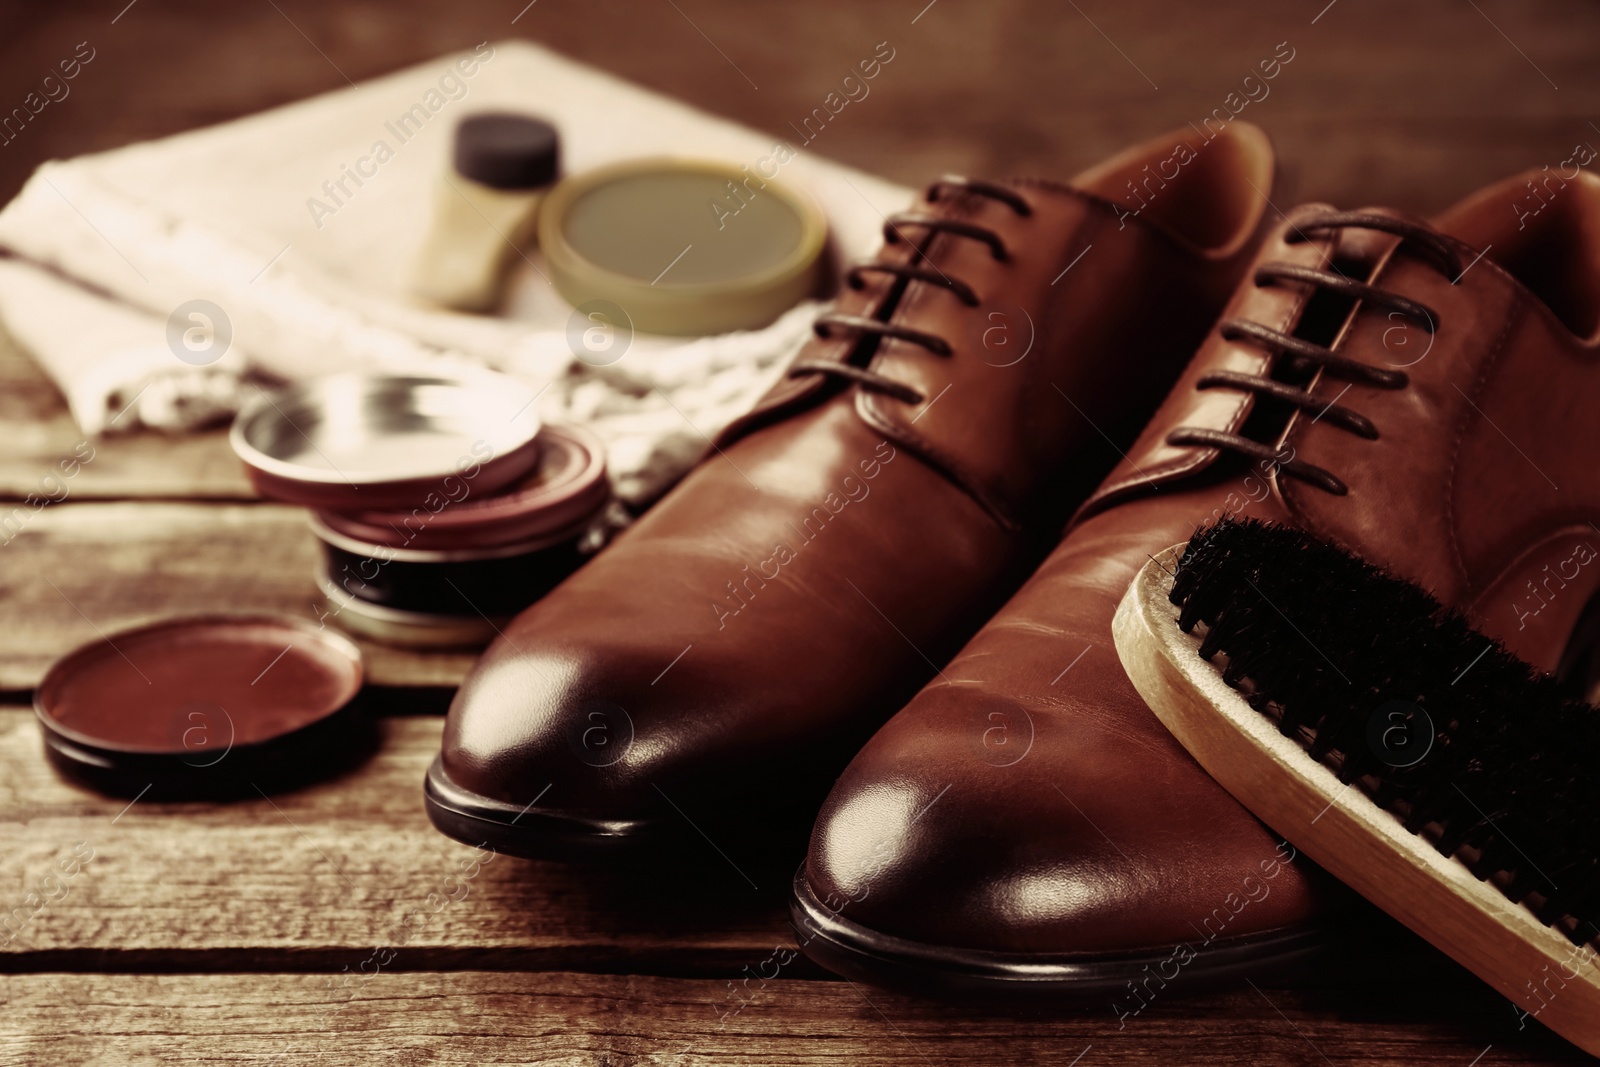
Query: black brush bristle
point(1369, 672)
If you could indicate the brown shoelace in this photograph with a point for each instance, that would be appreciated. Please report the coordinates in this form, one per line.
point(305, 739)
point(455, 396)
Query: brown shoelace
point(834, 325)
point(1439, 252)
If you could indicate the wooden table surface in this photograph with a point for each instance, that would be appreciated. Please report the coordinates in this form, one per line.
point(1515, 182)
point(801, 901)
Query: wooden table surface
point(250, 932)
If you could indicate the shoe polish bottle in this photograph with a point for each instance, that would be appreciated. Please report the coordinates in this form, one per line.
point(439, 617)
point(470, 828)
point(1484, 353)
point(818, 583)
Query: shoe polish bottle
point(484, 208)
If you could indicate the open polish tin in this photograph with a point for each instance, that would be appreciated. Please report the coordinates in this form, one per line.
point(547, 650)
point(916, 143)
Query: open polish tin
point(386, 441)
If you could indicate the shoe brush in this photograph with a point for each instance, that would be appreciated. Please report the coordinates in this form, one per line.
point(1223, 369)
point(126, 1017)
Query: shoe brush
point(1442, 778)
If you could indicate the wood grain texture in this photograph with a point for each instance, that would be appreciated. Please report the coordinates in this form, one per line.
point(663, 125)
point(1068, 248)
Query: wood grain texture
point(75, 572)
point(307, 879)
point(612, 1021)
point(1410, 105)
point(325, 880)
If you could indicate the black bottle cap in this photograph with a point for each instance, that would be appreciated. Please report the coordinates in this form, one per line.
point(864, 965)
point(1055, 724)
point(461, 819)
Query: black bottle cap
point(505, 150)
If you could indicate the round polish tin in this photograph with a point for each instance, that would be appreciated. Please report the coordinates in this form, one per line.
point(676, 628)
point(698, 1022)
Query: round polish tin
point(453, 575)
point(682, 246)
point(357, 440)
point(565, 489)
point(209, 706)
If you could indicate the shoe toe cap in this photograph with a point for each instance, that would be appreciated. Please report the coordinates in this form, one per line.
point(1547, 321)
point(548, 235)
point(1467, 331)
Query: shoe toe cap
point(1059, 844)
point(537, 720)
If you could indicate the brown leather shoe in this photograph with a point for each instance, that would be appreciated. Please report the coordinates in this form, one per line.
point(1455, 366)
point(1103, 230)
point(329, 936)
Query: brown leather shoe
point(1026, 826)
point(968, 389)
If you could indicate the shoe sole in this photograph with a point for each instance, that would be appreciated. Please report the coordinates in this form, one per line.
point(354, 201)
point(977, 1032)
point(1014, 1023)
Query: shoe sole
point(1037, 979)
point(532, 832)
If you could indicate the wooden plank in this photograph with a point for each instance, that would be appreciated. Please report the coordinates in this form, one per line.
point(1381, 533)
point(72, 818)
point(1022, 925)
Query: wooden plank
point(37, 435)
point(77, 571)
point(1408, 105)
point(315, 881)
point(1433, 97)
point(303, 880)
point(494, 1018)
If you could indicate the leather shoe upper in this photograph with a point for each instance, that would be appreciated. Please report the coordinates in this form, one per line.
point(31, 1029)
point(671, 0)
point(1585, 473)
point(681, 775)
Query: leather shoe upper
point(1422, 396)
point(967, 390)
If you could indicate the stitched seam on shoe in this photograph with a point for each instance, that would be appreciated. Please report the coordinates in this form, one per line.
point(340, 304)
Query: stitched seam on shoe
point(1191, 458)
point(1289, 489)
point(1491, 363)
point(1115, 209)
point(868, 407)
point(954, 472)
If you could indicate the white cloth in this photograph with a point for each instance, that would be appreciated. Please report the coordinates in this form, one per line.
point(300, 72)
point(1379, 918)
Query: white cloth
point(103, 249)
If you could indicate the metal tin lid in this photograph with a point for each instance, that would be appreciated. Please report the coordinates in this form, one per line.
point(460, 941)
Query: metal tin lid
point(682, 246)
point(507, 150)
point(204, 706)
point(387, 441)
point(555, 501)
